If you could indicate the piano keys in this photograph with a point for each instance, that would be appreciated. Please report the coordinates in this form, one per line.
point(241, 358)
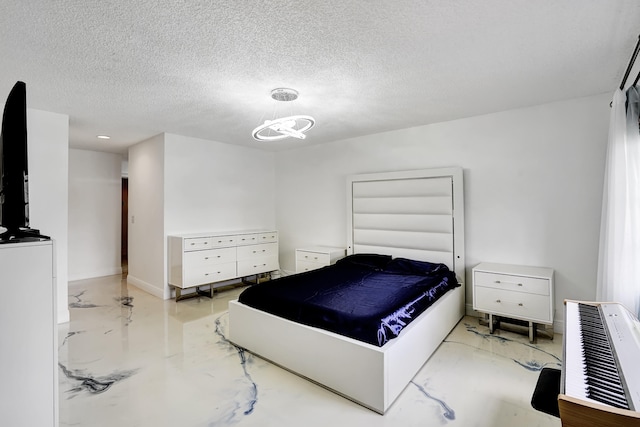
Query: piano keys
point(600, 381)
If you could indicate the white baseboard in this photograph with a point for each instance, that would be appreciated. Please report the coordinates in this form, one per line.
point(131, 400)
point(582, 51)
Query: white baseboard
point(147, 287)
point(469, 311)
point(63, 315)
point(93, 274)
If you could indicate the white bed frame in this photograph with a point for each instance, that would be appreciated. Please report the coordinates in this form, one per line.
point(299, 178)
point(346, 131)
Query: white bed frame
point(412, 214)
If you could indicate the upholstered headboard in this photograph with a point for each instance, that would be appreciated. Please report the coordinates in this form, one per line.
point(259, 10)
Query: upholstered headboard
point(415, 214)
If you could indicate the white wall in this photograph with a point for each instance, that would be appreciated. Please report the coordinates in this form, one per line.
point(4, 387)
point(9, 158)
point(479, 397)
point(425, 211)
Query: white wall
point(48, 145)
point(146, 251)
point(191, 185)
point(533, 186)
point(95, 205)
point(210, 186)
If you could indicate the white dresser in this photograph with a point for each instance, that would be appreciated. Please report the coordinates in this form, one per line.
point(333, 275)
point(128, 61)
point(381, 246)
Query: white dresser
point(197, 259)
point(314, 257)
point(515, 292)
point(29, 357)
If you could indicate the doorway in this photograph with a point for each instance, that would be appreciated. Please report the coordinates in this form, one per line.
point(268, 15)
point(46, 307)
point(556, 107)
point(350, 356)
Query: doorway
point(124, 254)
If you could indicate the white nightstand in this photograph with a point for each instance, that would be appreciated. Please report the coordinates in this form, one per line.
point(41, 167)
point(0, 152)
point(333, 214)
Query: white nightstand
point(313, 257)
point(515, 292)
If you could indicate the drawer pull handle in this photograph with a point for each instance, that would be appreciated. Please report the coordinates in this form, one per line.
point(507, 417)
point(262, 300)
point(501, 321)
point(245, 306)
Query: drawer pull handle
point(520, 304)
point(206, 257)
point(513, 283)
point(498, 300)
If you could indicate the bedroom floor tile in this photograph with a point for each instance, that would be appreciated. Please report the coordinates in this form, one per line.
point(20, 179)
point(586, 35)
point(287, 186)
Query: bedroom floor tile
point(130, 359)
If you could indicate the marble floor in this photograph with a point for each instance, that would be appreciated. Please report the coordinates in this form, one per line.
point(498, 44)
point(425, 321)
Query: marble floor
point(130, 359)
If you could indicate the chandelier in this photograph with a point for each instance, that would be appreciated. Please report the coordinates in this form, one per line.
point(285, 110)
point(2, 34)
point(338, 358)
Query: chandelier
point(293, 126)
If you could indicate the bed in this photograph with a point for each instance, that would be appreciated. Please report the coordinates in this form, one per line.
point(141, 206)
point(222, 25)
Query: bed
point(416, 215)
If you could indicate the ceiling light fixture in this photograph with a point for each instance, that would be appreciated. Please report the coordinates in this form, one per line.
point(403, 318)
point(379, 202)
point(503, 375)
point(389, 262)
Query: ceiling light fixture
point(284, 127)
point(103, 137)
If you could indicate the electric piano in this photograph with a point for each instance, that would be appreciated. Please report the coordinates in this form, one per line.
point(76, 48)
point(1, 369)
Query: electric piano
point(600, 379)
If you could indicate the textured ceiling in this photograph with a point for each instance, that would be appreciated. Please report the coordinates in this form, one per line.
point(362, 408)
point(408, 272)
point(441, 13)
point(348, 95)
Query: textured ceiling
point(133, 69)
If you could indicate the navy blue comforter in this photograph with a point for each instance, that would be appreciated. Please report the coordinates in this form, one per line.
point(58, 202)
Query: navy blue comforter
point(367, 297)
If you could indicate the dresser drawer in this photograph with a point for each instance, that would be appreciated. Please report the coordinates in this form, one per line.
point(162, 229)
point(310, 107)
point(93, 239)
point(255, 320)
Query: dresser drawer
point(257, 251)
point(513, 304)
point(222, 241)
point(209, 274)
point(323, 259)
point(257, 266)
point(248, 239)
point(195, 259)
point(268, 237)
point(507, 282)
point(197, 243)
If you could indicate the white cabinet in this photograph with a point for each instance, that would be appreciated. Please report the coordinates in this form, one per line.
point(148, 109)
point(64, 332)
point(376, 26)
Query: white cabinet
point(314, 257)
point(29, 356)
point(198, 259)
point(515, 292)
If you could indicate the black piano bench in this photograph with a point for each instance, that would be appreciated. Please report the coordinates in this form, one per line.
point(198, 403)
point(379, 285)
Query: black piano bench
point(545, 396)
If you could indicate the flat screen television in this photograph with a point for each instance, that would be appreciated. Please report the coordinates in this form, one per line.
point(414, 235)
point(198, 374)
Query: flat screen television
point(14, 171)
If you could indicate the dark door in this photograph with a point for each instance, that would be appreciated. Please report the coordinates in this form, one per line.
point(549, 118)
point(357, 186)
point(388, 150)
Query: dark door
point(125, 221)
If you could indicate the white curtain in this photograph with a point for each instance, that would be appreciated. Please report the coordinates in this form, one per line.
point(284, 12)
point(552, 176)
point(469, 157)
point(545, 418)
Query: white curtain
point(619, 258)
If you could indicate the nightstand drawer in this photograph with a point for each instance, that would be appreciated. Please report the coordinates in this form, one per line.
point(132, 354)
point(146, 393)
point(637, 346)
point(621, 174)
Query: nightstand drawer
point(513, 304)
point(507, 282)
point(315, 257)
point(302, 266)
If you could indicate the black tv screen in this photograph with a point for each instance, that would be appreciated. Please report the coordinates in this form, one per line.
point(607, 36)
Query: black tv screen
point(14, 172)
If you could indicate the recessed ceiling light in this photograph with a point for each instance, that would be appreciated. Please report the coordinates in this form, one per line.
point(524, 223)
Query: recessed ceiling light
point(104, 137)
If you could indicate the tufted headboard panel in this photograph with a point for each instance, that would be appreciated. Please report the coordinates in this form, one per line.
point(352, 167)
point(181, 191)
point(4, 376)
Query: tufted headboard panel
point(413, 214)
